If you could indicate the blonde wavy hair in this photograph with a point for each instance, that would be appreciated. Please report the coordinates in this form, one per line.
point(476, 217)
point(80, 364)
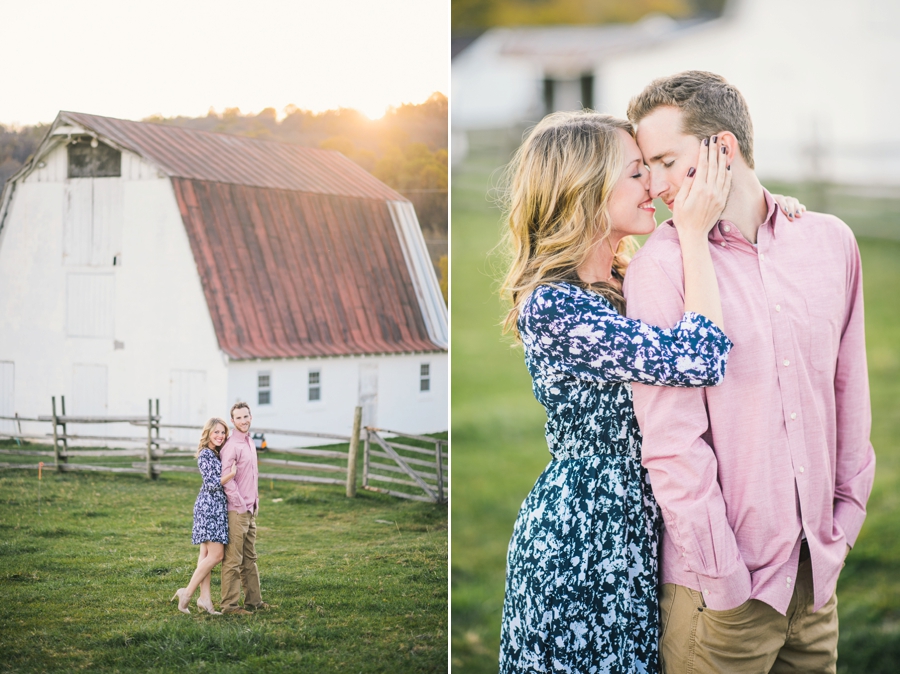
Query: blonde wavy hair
point(556, 204)
point(207, 430)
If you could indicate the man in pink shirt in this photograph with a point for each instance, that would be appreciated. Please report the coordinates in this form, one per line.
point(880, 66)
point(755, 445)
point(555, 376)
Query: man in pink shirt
point(762, 481)
point(239, 566)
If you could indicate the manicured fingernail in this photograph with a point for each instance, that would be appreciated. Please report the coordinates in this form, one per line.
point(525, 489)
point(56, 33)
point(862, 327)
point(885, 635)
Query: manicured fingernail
point(728, 167)
point(691, 172)
point(706, 141)
point(715, 138)
point(724, 149)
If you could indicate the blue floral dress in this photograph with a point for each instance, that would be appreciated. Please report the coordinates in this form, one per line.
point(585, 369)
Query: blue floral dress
point(581, 585)
point(211, 508)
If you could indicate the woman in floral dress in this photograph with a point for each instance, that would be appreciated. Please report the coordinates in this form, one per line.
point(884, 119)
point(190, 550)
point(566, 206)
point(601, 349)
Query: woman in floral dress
point(581, 588)
point(210, 529)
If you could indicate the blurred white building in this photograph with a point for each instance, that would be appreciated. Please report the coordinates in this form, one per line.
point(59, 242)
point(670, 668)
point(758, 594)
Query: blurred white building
point(820, 77)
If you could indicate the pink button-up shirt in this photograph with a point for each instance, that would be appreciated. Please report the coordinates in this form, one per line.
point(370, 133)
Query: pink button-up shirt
point(243, 491)
point(782, 446)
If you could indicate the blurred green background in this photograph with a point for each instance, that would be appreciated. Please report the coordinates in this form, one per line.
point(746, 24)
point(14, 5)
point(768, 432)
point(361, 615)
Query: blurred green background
point(499, 447)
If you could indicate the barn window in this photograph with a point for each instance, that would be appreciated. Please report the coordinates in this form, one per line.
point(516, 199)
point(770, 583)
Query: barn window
point(264, 388)
point(425, 377)
point(315, 385)
point(89, 158)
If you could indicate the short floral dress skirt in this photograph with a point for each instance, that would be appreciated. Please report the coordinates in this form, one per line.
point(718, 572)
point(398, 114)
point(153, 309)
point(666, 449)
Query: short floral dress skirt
point(211, 507)
point(581, 585)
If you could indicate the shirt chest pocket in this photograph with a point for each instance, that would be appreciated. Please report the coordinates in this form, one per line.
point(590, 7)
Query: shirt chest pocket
point(823, 328)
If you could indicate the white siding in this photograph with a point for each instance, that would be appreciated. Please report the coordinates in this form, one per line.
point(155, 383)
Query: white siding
point(394, 380)
point(78, 207)
point(7, 396)
point(157, 321)
point(90, 304)
point(187, 391)
point(368, 393)
point(89, 391)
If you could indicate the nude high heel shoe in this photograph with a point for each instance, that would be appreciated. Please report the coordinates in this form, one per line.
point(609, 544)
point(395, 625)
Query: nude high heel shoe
point(177, 595)
point(208, 608)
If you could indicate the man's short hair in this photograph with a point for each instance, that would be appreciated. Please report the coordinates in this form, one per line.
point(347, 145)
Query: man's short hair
point(238, 406)
point(708, 105)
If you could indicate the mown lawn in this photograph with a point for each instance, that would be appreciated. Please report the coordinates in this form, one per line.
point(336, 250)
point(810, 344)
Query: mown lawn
point(357, 585)
point(499, 448)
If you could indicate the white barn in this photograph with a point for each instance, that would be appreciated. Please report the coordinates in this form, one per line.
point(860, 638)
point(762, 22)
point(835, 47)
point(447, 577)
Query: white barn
point(819, 77)
point(146, 261)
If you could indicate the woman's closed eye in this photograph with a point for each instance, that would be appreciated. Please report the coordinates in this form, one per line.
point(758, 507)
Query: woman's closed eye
point(669, 165)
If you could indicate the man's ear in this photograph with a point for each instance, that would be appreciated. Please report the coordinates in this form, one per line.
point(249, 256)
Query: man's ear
point(729, 140)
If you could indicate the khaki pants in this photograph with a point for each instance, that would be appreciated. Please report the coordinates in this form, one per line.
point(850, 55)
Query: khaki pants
point(753, 637)
point(239, 566)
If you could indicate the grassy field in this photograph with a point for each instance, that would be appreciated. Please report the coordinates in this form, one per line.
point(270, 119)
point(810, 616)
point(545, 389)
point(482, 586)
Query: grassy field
point(499, 448)
point(356, 585)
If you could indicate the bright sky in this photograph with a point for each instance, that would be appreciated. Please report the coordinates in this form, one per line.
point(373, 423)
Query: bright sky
point(123, 58)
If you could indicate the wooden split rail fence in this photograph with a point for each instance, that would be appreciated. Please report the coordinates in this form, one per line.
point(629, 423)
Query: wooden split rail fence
point(323, 466)
point(397, 463)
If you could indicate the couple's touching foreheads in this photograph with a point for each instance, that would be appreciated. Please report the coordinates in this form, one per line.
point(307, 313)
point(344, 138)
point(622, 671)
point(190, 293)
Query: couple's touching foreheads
point(225, 517)
point(707, 400)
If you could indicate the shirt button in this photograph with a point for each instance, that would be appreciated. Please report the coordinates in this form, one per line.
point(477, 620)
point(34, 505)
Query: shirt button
point(727, 228)
point(762, 257)
point(801, 469)
point(786, 362)
point(793, 415)
point(788, 580)
point(721, 243)
point(777, 307)
point(684, 554)
point(706, 592)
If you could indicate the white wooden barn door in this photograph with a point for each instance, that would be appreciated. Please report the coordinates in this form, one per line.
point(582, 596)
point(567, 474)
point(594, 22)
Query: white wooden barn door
point(7, 396)
point(368, 393)
point(187, 404)
point(89, 397)
point(93, 213)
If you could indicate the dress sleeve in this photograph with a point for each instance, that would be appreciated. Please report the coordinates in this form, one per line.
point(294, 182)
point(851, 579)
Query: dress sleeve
point(210, 469)
point(579, 333)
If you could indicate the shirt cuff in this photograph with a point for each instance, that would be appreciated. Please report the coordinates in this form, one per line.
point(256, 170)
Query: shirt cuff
point(728, 592)
point(704, 322)
point(850, 519)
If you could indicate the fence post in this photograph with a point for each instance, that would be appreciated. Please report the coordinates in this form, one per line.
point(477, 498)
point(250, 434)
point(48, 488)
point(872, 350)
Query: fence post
point(354, 450)
point(150, 439)
point(65, 432)
point(55, 437)
point(438, 446)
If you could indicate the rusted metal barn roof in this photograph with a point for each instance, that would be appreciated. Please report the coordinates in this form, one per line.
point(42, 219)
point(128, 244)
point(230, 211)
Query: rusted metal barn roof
point(300, 274)
point(312, 256)
point(218, 157)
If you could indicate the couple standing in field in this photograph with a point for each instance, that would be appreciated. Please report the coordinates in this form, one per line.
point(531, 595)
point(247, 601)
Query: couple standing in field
point(225, 517)
point(690, 520)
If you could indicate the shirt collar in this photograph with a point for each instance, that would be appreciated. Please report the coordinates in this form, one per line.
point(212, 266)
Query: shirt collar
point(725, 229)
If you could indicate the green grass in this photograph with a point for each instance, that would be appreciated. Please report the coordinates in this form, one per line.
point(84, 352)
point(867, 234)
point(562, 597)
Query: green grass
point(499, 448)
point(357, 585)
